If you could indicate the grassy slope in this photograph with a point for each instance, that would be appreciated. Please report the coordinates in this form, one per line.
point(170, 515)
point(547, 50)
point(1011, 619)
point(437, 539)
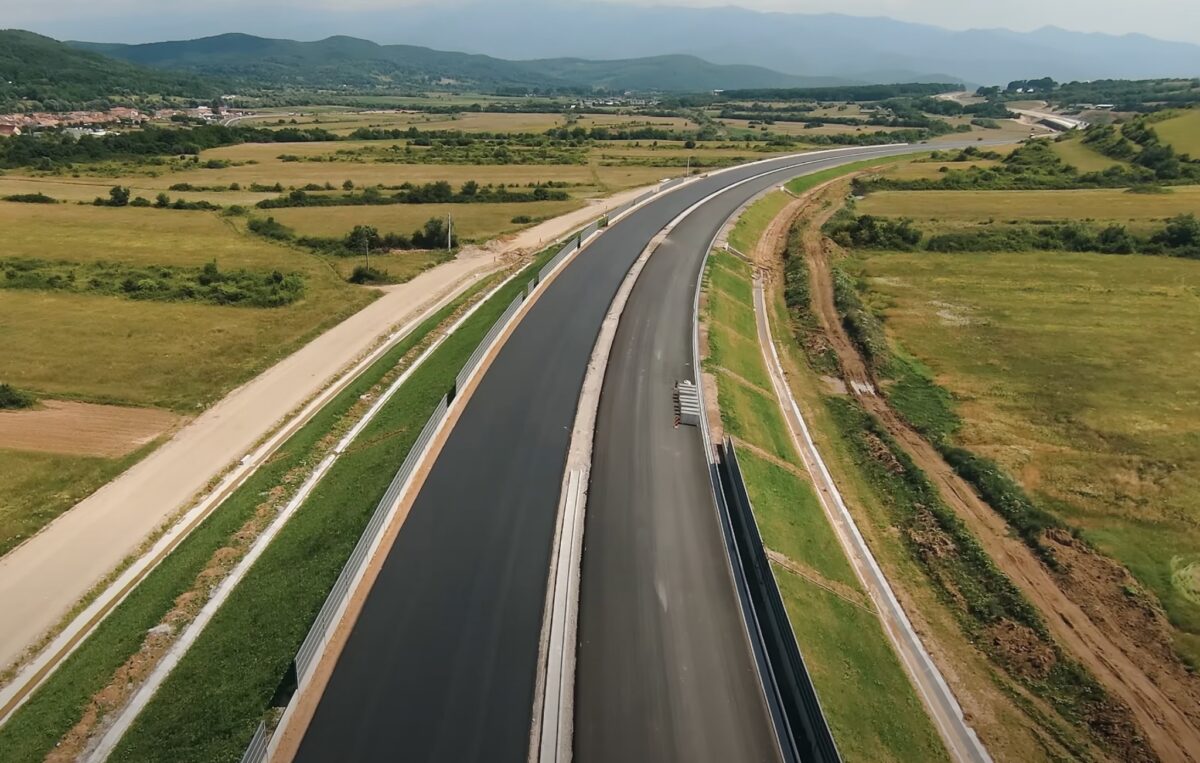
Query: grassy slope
point(1182, 132)
point(1082, 157)
point(57, 704)
point(755, 219)
point(850, 657)
point(1067, 370)
point(208, 708)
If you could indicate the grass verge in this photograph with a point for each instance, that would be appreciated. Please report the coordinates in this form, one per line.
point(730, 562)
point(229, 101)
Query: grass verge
point(851, 661)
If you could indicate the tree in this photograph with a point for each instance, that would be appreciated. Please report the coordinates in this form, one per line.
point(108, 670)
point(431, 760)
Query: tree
point(361, 238)
point(118, 196)
point(469, 188)
point(162, 200)
point(348, 185)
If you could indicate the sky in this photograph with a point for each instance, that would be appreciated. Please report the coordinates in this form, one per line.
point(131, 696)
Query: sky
point(1166, 19)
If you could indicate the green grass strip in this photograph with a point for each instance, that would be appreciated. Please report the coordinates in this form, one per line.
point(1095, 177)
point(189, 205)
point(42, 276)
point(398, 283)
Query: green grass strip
point(57, 705)
point(209, 706)
point(808, 182)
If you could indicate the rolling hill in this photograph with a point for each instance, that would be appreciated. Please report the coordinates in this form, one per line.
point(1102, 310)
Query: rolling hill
point(39, 72)
point(346, 62)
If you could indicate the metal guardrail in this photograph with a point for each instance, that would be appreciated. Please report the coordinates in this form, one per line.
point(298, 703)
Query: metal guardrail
point(317, 633)
point(553, 263)
point(807, 731)
point(671, 183)
point(256, 751)
point(486, 343)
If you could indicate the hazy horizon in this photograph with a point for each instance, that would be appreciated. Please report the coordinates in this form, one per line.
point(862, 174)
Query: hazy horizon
point(134, 21)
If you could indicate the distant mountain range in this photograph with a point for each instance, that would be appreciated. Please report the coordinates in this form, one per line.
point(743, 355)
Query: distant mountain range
point(242, 60)
point(805, 45)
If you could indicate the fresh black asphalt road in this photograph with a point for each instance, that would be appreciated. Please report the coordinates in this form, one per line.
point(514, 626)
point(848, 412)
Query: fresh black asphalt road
point(441, 664)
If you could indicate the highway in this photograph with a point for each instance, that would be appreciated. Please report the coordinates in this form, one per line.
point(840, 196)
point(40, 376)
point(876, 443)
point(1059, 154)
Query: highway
point(441, 663)
point(665, 668)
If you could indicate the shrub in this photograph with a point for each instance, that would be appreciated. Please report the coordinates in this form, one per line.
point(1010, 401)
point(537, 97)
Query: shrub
point(365, 275)
point(12, 398)
point(32, 198)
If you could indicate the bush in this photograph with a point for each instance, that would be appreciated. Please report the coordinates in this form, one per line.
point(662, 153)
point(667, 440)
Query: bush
point(12, 398)
point(868, 231)
point(159, 283)
point(270, 228)
point(32, 198)
point(366, 275)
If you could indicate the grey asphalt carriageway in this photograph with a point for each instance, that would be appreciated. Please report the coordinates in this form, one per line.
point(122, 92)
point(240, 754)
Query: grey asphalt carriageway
point(441, 663)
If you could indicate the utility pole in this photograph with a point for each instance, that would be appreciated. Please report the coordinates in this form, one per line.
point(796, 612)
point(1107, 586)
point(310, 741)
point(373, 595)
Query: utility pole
point(449, 235)
point(688, 172)
point(367, 251)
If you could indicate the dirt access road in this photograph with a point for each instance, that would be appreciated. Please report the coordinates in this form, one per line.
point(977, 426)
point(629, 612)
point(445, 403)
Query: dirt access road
point(42, 579)
point(1126, 647)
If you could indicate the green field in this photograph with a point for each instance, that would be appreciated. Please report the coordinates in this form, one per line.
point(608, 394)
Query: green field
point(37, 487)
point(1182, 132)
point(1071, 371)
point(974, 207)
point(1083, 157)
point(173, 355)
point(472, 222)
point(857, 675)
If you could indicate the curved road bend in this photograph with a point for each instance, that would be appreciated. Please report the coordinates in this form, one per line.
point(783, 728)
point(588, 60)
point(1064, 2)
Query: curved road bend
point(441, 664)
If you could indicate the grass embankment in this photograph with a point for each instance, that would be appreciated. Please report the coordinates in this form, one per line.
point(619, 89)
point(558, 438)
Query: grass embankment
point(209, 706)
point(1066, 369)
point(808, 182)
point(1066, 711)
point(57, 705)
point(755, 219)
point(872, 708)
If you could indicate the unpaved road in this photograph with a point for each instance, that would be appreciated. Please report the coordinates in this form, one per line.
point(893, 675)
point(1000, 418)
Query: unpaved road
point(1160, 693)
point(43, 578)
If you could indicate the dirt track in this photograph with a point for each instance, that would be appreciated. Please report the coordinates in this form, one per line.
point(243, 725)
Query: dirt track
point(44, 577)
point(84, 429)
point(1126, 646)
